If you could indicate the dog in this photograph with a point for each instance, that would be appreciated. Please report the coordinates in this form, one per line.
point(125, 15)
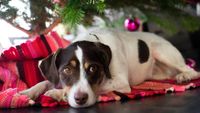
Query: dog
point(108, 60)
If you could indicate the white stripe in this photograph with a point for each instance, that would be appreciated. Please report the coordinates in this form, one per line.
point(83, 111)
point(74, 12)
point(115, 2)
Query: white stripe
point(79, 55)
point(82, 84)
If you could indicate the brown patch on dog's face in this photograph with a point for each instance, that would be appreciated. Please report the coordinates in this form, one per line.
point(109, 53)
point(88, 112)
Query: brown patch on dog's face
point(94, 72)
point(69, 73)
point(73, 63)
point(86, 65)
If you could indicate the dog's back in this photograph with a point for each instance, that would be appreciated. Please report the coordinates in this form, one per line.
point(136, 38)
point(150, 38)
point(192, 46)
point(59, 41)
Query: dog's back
point(131, 51)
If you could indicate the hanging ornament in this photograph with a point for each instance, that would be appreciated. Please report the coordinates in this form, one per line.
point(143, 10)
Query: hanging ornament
point(132, 24)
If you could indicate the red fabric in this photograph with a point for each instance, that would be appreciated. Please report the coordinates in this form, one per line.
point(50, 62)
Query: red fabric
point(26, 51)
point(11, 84)
point(58, 39)
point(1, 85)
point(31, 72)
point(54, 46)
point(11, 54)
point(10, 80)
point(10, 99)
point(11, 66)
point(39, 48)
point(32, 49)
point(50, 102)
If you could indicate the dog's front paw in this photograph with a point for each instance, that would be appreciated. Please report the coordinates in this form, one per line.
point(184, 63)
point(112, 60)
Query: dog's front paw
point(30, 93)
point(186, 76)
point(57, 94)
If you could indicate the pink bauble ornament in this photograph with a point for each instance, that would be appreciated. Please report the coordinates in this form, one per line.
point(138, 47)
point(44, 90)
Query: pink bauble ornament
point(132, 25)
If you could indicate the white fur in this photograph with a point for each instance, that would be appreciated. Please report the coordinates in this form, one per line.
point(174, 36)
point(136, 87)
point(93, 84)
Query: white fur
point(82, 85)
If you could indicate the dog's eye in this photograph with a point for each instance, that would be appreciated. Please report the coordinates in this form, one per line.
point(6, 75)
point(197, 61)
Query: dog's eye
point(67, 70)
point(92, 68)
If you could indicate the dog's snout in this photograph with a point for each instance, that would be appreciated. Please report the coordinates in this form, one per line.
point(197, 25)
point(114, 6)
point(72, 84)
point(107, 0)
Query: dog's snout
point(81, 98)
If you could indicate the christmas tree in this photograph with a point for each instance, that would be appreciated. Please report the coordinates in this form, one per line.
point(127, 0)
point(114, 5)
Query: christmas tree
point(44, 15)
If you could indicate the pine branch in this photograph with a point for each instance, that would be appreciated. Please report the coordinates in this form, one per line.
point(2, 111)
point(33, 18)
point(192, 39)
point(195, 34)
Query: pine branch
point(74, 12)
point(72, 16)
point(100, 6)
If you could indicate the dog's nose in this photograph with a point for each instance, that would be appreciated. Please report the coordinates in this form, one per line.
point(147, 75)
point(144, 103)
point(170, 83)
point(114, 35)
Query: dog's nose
point(80, 98)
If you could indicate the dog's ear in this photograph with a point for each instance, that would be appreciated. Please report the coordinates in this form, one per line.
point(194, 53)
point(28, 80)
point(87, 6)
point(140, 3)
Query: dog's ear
point(106, 58)
point(49, 68)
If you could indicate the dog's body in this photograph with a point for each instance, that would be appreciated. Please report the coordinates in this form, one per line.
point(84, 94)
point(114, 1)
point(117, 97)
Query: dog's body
point(129, 58)
point(139, 56)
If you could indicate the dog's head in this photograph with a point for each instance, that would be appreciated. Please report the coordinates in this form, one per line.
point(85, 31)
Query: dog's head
point(81, 67)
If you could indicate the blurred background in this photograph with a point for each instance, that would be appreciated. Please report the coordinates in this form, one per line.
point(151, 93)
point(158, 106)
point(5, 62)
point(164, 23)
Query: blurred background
point(176, 20)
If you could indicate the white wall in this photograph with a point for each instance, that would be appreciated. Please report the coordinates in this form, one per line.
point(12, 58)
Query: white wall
point(7, 31)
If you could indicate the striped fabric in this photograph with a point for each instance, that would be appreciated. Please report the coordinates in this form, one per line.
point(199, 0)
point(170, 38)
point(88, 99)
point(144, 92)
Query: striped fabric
point(19, 67)
point(40, 47)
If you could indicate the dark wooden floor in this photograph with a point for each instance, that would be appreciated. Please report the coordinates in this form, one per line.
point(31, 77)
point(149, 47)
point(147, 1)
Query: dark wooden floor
point(184, 102)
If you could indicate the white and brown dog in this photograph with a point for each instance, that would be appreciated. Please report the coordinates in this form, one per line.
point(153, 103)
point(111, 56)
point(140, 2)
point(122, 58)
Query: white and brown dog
point(108, 60)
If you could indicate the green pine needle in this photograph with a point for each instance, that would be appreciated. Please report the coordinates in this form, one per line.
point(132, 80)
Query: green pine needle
point(74, 12)
point(72, 16)
point(100, 6)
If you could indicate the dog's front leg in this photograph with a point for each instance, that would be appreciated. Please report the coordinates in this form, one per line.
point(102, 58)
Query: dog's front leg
point(38, 89)
point(115, 85)
point(119, 72)
point(57, 94)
